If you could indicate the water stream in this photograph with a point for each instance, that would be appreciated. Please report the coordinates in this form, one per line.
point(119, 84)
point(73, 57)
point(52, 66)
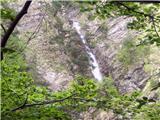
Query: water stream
point(92, 59)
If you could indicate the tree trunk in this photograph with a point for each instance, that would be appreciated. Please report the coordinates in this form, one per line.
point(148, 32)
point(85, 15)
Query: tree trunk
point(13, 25)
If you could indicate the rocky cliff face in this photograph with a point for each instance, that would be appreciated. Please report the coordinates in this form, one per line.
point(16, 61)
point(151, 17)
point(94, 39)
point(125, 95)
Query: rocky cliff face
point(57, 54)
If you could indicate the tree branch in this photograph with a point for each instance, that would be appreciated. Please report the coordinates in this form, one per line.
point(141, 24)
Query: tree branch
point(22, 106)
point(139, 12)
point(132, 9)
point(14, 23)
point(33, 35)
point(154, 25)
point(3, 28)
point(144, 14)
point(41, 103)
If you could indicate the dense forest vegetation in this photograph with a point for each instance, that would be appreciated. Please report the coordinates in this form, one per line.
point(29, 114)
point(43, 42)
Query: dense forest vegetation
point(26, 95)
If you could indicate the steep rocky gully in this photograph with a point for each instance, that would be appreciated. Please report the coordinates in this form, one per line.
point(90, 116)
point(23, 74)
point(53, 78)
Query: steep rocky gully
point(52, 52)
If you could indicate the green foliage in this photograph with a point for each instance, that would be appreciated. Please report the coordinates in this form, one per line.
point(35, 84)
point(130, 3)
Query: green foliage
point(18, 86)
point(7, 13)
point(131, 54)
point(15, 84)
point(7, 1)
point(146, 16)
point(15, 43)
point(19, 90)
point(148, 112)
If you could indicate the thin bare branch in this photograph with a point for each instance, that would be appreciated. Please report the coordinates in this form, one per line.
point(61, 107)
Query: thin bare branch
point(33, 35)
point(154, 25)
point(23, 105)
point(132, 9)
point(142, 13)
point(13, 25)
point(3, 28)
point(41, 103)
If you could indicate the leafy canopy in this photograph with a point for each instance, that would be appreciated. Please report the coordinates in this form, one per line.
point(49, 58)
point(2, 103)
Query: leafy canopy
point(146, 17)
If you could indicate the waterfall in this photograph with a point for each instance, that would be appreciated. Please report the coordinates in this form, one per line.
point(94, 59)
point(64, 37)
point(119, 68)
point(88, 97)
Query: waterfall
point(92, 59)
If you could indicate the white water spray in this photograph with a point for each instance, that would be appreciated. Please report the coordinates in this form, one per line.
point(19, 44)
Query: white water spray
point(93, 62)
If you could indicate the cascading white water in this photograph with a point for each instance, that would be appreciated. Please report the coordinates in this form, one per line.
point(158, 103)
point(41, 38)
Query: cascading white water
point(92, 59)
